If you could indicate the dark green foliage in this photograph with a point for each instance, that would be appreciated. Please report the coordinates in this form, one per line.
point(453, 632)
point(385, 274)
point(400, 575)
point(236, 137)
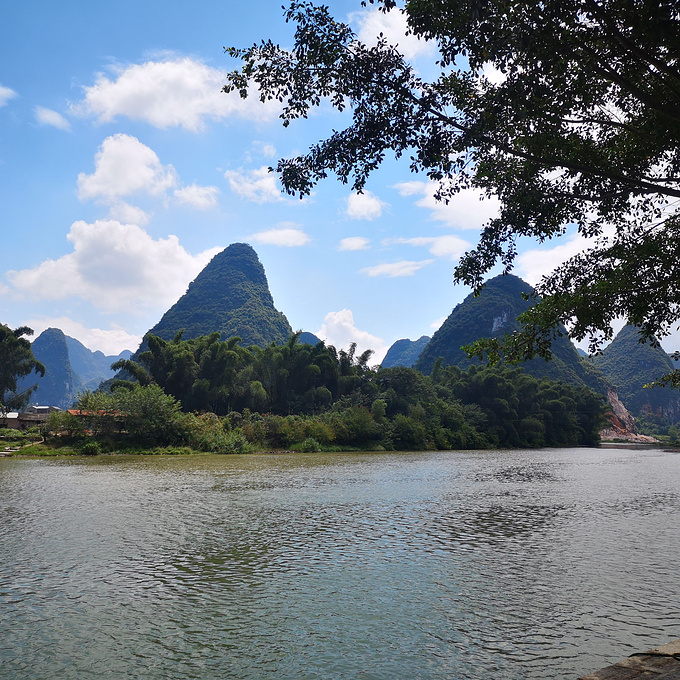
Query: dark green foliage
point(493, 314)
point(523, 411)
point(141, 415)
point(90, 448)
point(630, 365)
point(405, 352)
point(17, 438)
point(206, 374)
point(310, 398)
point(582, 128)
point(673, 434)
point(231, 297)
point(17, 362)
point(66, 424)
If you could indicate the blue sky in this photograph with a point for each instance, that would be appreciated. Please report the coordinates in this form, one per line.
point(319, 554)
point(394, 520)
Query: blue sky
point(123, 169)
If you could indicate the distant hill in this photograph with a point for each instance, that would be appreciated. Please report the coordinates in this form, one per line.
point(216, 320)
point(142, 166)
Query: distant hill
point(405, 352)
point(60, 385)
point(91, 367)
point(70, 368)
point(629, 365)
point(307, 338)
point(493, 314)
point(231, 296)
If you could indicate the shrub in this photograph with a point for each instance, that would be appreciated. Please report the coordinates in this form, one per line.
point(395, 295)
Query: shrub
point(309, 445)
point(90, 448)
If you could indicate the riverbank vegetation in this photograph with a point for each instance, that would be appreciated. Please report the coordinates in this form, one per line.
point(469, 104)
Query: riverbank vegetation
point(209, 395)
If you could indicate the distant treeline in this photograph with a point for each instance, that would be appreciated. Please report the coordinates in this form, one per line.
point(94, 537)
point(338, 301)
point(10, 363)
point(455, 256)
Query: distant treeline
point(218, 396)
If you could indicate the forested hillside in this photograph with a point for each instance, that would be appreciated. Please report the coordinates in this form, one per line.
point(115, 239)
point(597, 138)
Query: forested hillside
point(70, 367)
point(60, 384)
point(630, 365)
point(90, 367)
point(405, 352)
point(493, 313)
point(230, 296)
point(314, 397)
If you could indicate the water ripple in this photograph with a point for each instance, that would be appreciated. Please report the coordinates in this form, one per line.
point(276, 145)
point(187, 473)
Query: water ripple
point(510, 565)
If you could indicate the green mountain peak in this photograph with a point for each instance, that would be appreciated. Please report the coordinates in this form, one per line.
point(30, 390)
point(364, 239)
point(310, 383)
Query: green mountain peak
point(630, 364)
point(493, 313)
point(231, 296)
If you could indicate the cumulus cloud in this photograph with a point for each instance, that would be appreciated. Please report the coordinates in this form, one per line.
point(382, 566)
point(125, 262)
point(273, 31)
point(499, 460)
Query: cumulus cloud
point(534, 264)
point(6, 94)
point(265, 149)
point(180, 92)
point(338, 329)
point(287, 237)
point(117, 267)
point(365, 206)
point(355, 243)
point(52, 118)
point(128, 214)
point(392, 25)
point(451, 247)
point(258, 186)
point(110, 341)
point(396, 269)
point(125, 166)
point(201, 198)
point(468, 209)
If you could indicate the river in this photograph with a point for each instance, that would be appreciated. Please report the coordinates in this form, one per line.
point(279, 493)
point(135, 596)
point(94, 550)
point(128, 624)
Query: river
point(510, 565)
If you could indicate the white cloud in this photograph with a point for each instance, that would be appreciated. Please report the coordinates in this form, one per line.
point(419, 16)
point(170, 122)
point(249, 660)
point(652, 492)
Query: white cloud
point(354, 243)
point(258, 186)
point(265, 149)
point(48, 117)
point(180, 92)
point(437, 323)
point(128, 214)
point(492, 74)
point(365, 206)
point(117, 267)
point(392, 25)
point(201, 198)
point(338, 329)
point(6, 94)
point(287, 237)
point(468, 209)
point(396, 269)
point(125, 166)
point(532, 265)
point(111, 342)
point(452, 247)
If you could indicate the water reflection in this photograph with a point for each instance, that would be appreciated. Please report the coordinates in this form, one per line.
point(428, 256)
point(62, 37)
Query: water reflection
point(469, 565)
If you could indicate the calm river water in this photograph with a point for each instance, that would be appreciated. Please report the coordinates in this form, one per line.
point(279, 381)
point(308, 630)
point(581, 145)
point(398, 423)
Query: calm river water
point(501, 565)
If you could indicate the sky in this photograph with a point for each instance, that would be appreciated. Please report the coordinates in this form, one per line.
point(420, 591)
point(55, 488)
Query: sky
point(124, 169)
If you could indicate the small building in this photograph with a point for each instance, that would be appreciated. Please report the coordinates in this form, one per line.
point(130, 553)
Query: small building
point(10, 420)
point(31, 417)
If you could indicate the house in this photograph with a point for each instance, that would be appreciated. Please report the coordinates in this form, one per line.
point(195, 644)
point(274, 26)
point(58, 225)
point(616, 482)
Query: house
point(31, 417)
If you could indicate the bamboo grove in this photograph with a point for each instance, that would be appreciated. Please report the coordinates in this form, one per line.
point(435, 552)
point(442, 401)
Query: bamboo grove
point(214, 395)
